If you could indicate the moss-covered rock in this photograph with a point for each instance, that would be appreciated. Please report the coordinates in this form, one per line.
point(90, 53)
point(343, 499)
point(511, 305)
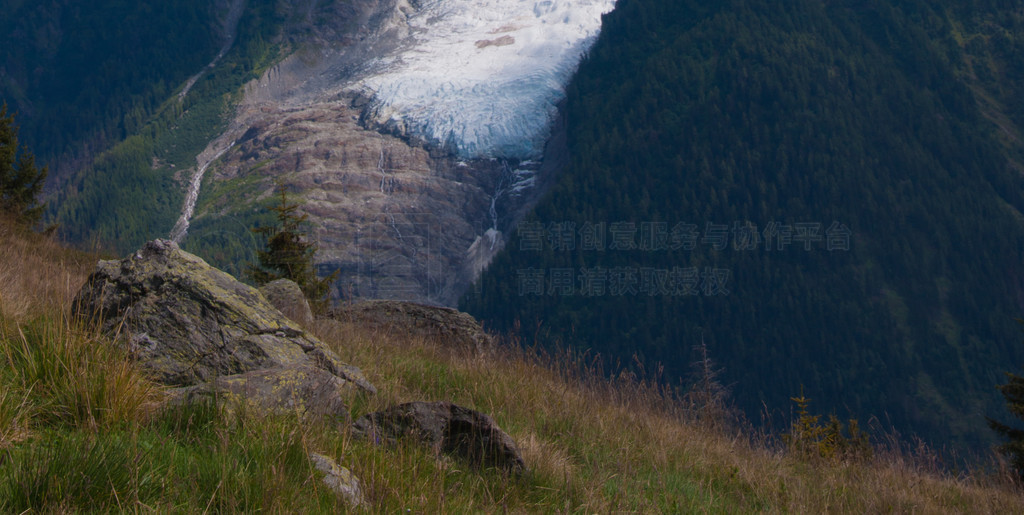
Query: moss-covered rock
point(188, 323)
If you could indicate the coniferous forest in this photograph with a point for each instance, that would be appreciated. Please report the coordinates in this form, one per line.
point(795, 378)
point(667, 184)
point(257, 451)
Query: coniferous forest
point(828, 195)
point(91, 74)
point(96, 92)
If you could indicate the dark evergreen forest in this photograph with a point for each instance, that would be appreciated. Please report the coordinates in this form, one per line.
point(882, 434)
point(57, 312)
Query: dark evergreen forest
point(828, 194)
point(90, 73)
point(95, 87)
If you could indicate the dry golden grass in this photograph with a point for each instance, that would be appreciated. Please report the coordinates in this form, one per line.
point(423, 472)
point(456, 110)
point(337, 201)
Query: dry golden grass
point(58, 370)
point(37, 275)
point(607, 446)
point(592, 445)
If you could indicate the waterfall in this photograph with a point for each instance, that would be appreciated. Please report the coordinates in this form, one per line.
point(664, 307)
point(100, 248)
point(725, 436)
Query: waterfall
point(502, 187)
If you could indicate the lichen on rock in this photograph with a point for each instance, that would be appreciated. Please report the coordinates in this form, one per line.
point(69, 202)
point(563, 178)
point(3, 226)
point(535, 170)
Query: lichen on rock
point(303, 390)
point(339, 479)
point(187, 323)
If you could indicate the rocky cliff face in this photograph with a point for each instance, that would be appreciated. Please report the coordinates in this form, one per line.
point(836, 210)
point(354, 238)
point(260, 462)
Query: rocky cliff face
point(400, 219)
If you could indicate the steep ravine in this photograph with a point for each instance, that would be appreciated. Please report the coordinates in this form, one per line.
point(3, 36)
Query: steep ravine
point(230, 30)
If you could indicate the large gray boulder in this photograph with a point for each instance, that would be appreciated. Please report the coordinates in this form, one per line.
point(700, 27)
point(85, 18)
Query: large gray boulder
point(444, 427)
point(188, 323)
point(448, 326)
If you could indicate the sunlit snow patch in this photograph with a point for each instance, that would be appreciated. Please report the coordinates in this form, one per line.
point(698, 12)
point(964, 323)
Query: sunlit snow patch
point(483, 77)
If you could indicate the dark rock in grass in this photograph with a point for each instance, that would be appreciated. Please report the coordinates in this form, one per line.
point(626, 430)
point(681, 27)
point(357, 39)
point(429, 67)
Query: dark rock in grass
point(447, 428)
point(188, 323)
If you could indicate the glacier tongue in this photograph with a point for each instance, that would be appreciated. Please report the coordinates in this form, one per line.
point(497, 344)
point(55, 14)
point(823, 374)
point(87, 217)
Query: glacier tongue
point(483, 77)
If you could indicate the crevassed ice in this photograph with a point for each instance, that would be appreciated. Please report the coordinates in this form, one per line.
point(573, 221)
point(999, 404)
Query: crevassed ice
point(483, 77)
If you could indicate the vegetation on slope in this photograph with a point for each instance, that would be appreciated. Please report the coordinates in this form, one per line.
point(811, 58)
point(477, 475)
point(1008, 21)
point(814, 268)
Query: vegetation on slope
point(20, 180)
point(135, 190)
point(81, 430)
point(812, 189)
point(88, 75)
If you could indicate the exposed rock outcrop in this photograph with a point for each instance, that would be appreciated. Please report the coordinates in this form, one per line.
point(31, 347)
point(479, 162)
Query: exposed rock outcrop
point(447, 428)
point(288, 298)
point(395, 219)
point(188, 323)
point(197, 328)
point(444, 325)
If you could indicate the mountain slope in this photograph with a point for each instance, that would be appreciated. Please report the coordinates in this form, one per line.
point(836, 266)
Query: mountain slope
point(886, 273)
point(134, 190)
point(96, 437)
point(317, 95)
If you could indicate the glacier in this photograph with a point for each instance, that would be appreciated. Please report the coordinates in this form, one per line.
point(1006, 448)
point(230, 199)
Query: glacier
point(482, 78)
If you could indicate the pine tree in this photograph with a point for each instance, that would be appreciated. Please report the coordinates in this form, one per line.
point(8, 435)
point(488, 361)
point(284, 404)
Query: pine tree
point(707, 398)
point(809, 437)
point(288, 255)
point(20, 181)
point(1013, 391)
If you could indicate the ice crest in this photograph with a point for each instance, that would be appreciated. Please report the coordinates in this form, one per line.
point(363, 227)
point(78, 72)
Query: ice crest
point(483, 77)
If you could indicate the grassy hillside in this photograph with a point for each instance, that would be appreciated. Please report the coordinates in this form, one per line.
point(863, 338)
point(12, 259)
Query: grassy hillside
point(82, 430)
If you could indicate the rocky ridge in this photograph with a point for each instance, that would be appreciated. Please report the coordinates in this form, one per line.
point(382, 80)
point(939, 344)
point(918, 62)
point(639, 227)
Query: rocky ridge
point(449, 327)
